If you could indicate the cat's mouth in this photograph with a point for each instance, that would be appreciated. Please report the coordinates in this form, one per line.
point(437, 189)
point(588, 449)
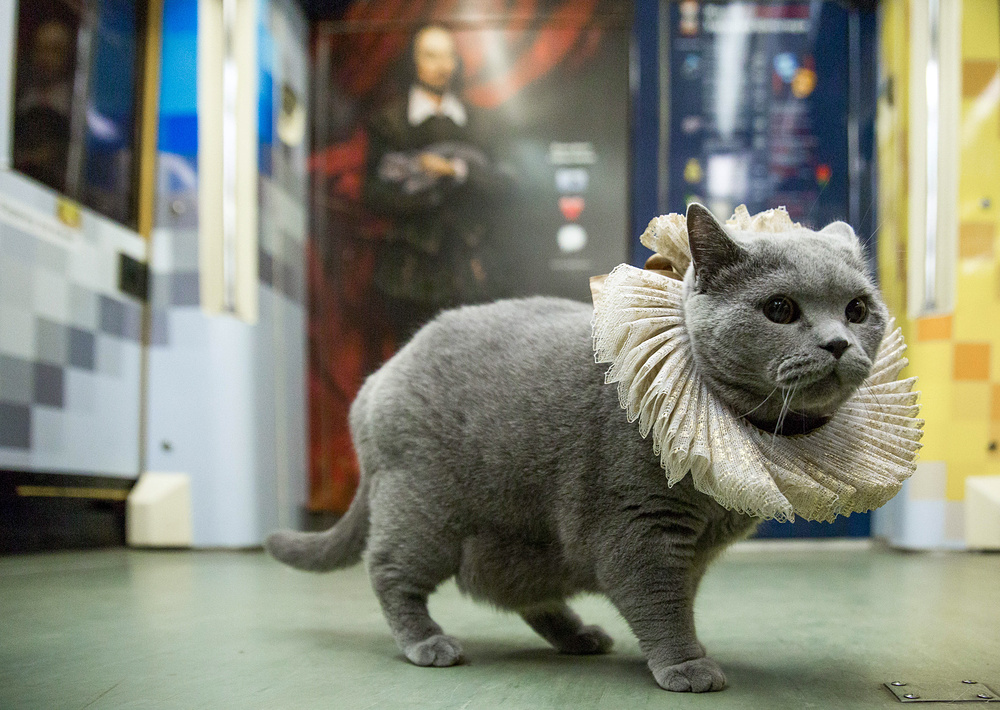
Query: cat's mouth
point(799, 373)
point(820, 393)
point(814, 380)
point(803, 402)
point(820, 378)
point(800, 397)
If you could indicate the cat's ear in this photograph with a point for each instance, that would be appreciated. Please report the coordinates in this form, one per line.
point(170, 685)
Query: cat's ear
point(711, 247)
point(844, 234)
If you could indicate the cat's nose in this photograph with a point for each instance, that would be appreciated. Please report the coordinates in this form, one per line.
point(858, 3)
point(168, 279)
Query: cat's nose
point(837, 346)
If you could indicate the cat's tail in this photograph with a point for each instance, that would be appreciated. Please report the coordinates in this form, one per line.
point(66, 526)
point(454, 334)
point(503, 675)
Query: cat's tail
point(340, 546)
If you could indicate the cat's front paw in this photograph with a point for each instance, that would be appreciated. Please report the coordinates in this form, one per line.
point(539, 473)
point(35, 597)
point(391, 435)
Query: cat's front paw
point(699, 675)
point(439, 650)
point(588, 640)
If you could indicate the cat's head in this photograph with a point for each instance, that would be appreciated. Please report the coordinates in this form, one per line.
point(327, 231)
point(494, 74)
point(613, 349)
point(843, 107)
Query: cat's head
point(784, 326)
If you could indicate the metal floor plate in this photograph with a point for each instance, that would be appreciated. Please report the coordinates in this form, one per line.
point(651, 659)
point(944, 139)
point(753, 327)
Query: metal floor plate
point(953, 691)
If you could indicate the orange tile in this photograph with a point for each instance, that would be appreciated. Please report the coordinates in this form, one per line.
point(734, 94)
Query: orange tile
point(975, 240)
point(936, 328)
point(972, 361)
point(976, 76)
point(995, 405)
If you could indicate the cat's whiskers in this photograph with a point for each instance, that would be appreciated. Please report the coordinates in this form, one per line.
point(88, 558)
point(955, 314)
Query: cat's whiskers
point(870, 205)
point(874, 395)
point(866, 242)
point(815, 202)
point(786, 402)
point(745, 414)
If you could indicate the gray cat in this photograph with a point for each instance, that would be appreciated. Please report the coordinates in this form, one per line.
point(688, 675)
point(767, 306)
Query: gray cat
point(492, 450)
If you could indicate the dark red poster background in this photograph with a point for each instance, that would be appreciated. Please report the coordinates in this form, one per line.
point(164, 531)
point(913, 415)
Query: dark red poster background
point(537, 73)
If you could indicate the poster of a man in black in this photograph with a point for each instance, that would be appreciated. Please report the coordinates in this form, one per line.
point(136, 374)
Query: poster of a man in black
point(426, 171)
point(460, 152)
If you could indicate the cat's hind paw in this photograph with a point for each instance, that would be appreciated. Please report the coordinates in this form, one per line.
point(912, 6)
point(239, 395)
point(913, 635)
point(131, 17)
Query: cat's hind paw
point(699, 675)
point(588, 640)
point(439, 650)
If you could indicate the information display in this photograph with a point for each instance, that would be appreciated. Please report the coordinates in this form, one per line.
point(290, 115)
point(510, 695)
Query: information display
point(758, 107)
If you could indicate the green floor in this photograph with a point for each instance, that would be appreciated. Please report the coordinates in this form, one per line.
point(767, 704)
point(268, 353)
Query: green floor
point(818, 627)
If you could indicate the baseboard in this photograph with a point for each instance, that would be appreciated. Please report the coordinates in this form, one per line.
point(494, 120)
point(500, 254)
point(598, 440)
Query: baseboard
point(61, 511)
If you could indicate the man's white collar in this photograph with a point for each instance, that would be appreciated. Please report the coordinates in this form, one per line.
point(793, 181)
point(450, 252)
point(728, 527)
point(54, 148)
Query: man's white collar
point(422, 105)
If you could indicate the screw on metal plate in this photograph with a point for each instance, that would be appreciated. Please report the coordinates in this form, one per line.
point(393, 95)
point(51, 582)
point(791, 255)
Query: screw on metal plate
point(955, 691)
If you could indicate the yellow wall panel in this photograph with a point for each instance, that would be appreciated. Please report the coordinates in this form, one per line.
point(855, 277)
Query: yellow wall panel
point(957, 473)
point(980, 19)
point(956, 355)
point(968, 442)
point(978, 306)
point(935, 409)
point(930, 360)
point(973, 426)
point(979, 179)
point(971, 401)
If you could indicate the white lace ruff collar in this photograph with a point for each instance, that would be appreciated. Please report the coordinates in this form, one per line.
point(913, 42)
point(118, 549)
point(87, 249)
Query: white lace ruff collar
point(855, 462)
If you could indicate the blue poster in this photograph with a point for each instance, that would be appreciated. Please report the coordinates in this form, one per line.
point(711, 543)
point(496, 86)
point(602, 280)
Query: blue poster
point(758, 108)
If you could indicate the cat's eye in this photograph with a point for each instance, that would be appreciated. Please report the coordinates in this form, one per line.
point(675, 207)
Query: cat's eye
point(856, 311)
point(781, 309)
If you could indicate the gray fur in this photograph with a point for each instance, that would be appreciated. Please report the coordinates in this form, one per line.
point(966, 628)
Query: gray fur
point(771, 371)
point(492, 451)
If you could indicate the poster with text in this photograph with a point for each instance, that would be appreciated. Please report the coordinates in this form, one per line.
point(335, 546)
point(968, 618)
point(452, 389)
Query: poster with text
point(758, 108)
